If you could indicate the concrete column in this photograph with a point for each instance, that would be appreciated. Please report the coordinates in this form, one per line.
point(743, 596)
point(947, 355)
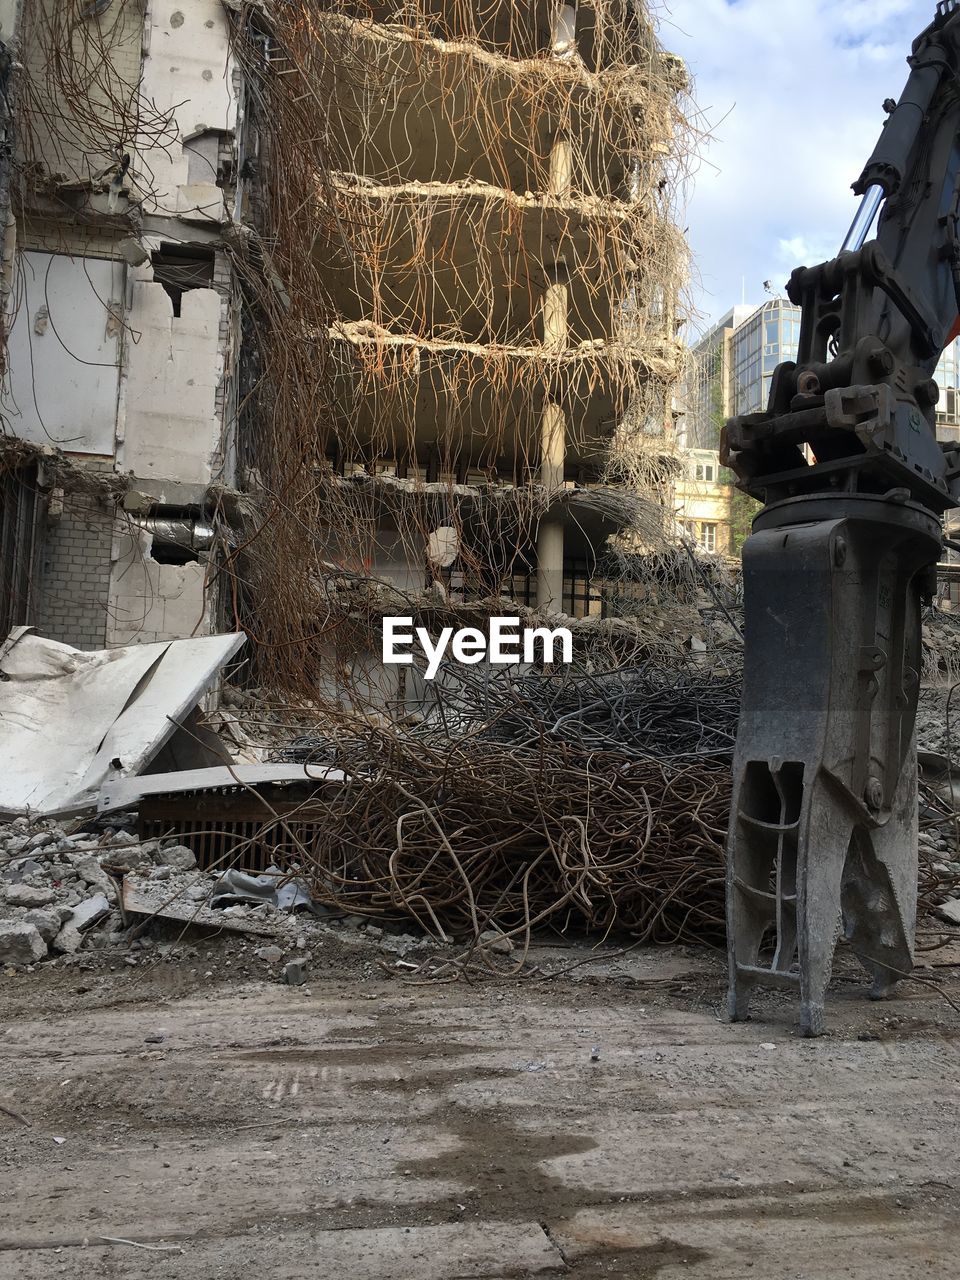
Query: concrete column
point(561, 168)
point(553, 448)
point(553, 427)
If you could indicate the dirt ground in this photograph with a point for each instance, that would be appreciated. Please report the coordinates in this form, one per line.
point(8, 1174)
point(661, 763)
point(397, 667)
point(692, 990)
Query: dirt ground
point(177, 1121)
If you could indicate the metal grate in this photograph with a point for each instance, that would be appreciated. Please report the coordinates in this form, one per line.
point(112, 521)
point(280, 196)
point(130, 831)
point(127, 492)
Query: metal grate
point(233, 827)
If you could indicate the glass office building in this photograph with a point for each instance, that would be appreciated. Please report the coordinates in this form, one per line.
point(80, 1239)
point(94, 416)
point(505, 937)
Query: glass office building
point(765, 340)
point(731, 371)
point(771, 335)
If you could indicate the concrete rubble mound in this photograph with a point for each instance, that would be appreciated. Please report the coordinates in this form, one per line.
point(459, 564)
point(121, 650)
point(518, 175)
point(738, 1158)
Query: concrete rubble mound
point(69, 898)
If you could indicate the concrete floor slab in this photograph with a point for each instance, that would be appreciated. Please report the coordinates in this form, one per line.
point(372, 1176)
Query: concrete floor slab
point(605, 1124)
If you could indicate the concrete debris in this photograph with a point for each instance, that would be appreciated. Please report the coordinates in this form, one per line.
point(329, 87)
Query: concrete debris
point(493, 940)
point(20, 870)
point(20, 943)
point(178, 857)
point(92, 873)
point(103, 897)
point(70, 938)
point(187, 897)
point(46, 921)
point(949, 911)
point(28, 895)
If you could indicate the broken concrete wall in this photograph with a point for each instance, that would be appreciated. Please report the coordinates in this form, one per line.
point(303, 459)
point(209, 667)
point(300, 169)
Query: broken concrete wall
point(64, 352)
point(151, 601)
point(79, 104)
point(8, 19)
point(186, 71)
point(171, 426)
point(115, 358)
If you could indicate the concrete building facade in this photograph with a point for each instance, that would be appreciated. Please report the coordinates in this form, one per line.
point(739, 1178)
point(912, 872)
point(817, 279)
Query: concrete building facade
point(117, 395)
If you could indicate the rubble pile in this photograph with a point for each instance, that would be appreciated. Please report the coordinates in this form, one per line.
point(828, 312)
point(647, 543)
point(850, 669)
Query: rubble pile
point(941, 647)
point(70, 897)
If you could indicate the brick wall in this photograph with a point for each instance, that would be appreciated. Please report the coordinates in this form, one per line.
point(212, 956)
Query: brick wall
point(75, 573)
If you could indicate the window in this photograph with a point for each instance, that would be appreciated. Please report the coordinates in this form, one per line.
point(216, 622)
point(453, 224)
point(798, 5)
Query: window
point(708, 536)
point(582, 594)
point(704, 471)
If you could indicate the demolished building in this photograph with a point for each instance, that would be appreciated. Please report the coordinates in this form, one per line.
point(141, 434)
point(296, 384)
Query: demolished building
point(467, 349)
point(406, 276)
point(120, 316)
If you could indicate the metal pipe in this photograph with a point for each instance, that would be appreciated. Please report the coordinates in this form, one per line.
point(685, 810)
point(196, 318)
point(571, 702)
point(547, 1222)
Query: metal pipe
point(182, 531)
point(870, 204)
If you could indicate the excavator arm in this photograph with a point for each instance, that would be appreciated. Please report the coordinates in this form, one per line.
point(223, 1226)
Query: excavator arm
point(823, 828)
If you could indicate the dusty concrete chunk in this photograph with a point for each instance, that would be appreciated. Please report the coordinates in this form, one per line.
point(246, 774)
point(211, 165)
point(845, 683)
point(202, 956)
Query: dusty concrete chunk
point(493, 940)
point(46, 921)
point(41, 839)
point(86, 913)
point(18, 870)
point(69, 940)
point(90, 911)
point(129, 859)
point(28, 895)
point(949, 911)
point(90, 870)
point(177, 856)
point(20, 943)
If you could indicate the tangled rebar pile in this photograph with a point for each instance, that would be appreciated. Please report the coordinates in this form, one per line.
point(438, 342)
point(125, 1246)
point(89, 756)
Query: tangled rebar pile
point(649, 712)
point(487, 835)
point(581, 802)
point(575, 800)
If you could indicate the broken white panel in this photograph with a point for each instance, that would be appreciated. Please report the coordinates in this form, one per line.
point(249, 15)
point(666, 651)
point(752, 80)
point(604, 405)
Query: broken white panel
point(187, 71)
point(150, 601)
point(201, 203)
point(8, 19)
point(126, 793)
point(174, 367)
point(70, 719)
point(64, 352)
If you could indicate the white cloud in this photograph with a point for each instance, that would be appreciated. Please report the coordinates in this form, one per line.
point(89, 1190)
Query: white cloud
point(791, 93)
point(800, 251)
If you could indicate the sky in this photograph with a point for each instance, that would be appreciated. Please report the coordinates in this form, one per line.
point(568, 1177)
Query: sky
point(790, 94)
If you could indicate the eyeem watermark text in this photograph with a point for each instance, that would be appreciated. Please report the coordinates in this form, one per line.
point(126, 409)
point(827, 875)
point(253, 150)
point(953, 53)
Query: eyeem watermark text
point(502, 645)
